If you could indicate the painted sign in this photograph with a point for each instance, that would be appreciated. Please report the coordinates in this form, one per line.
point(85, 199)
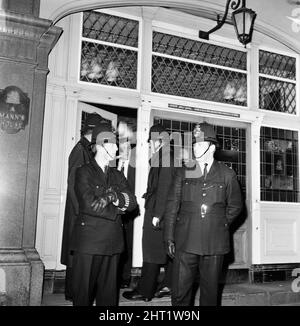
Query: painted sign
point(195, 109)
point(14, 109)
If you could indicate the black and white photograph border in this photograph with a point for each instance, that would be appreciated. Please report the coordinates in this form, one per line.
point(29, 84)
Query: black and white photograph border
point(70, 68)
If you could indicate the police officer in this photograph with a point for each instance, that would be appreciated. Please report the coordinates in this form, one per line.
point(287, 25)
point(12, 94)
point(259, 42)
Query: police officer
point(203, 202)
point(103, 194)
point(81, 154)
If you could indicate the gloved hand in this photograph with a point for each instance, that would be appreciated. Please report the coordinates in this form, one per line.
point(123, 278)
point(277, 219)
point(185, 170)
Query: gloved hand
point(170, 248)
point(111, 195)
point(155, 223)
point(99, 204)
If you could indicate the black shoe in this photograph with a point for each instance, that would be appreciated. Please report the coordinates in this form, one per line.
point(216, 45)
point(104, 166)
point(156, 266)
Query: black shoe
point(164, 292)
point(135, 296)
point(68, 297)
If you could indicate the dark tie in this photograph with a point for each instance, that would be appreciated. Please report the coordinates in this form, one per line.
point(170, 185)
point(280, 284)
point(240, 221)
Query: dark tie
point(205, 171)
point(122, 167)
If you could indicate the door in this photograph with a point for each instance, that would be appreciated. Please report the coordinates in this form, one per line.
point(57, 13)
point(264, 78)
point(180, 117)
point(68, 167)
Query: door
point(232, 137)
point(85, 109)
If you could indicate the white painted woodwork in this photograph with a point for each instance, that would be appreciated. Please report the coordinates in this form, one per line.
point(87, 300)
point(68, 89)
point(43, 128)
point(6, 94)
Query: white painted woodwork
point(280, 230)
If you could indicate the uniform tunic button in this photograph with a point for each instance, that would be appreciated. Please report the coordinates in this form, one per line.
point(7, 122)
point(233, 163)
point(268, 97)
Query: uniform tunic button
point(204, 194)
point(204, 184)
point(97, 186)
point(82, 223)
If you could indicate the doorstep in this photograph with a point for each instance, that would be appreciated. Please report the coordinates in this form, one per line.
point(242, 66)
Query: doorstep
point(241, 294)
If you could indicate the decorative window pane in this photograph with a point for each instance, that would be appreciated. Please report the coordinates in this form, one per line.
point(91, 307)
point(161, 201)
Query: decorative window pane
point(200, 51)
point(109, 52)
point(279, 165)
point(278, 91)
point(277, 95)
point(186, 79)
point(108, 65)
point(231, 150)
point(277, 65)
point(108, 28)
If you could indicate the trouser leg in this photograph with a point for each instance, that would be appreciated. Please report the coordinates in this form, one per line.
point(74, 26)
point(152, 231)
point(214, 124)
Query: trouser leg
point(210, 268)
point(68, 283)
point(81, 285)
point(126, 256)
point(184, 272)
point(167, 280)
point(106, 268)
point(148, 282)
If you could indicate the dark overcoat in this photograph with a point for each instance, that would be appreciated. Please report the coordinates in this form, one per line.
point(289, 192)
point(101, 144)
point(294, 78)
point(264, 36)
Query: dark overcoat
point(158, 185)
point(203, 231)
point(100, 233)
point(81, 154)
point(128, 220)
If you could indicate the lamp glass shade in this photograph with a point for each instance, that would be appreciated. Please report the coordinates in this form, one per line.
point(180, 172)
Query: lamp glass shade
point(243, 21)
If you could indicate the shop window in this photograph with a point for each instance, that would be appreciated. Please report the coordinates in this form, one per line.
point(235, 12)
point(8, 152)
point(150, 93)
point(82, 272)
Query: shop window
point(109, 51)
point(231, 150)
point(279, 165)
point(277, 82)
point(177, 70)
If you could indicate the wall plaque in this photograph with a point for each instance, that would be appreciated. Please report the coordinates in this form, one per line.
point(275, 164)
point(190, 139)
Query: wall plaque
point(14, 109)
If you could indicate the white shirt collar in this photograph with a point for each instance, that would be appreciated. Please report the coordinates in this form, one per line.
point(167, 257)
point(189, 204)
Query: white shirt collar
point(209, 164)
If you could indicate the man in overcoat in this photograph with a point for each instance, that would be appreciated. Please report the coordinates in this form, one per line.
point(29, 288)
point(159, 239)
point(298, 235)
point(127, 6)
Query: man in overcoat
point(154, 254)
point(203, 202)
point(103, 195)
point(81, 154)
point(126, 164)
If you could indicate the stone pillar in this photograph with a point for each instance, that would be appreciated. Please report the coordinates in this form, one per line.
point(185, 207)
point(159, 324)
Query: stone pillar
point(25, 42)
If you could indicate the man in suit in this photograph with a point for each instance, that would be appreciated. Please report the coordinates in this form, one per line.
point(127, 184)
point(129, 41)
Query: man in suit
point(126, 164)
point(103, 195)
point(81, 154)
point(203, 201)
point(159, 181)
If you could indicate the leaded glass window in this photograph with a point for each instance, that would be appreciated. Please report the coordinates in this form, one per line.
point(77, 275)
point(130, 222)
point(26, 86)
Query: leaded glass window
point(195, 69)
point(277, 82)
point(277, 65)
point(279, 165)
point(109, 50)
point(200, 51)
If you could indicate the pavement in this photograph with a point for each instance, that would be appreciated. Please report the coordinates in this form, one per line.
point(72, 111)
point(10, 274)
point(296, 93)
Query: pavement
point(241, 294)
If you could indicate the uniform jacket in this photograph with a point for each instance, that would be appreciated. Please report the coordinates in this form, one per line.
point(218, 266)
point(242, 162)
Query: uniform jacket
point(206, 231)
point(99, 233)
point(158, 185)
point(81, 154)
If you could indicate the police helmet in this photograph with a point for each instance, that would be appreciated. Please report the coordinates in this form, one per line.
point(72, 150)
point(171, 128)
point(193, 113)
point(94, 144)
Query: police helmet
point(103, 133)
point(204, 132)
point(91, 121)
point(156, 132)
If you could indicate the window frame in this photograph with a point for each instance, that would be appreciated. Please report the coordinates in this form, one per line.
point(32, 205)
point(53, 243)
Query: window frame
point(116, 45)
point(296, 81)
point(167, 29)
